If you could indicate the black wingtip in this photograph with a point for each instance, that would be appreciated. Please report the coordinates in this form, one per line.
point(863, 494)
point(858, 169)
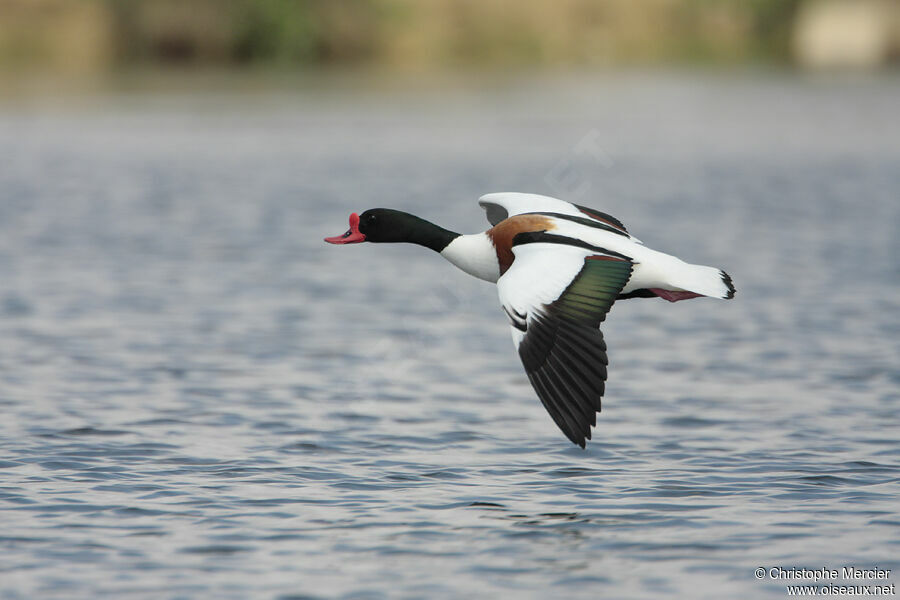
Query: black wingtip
point(582, 440)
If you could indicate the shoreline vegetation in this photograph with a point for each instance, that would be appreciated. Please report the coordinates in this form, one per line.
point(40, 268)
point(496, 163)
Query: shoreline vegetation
point(91, 38)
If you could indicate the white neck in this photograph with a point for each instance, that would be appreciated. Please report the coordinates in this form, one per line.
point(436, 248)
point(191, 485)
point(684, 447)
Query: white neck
point(474, 254)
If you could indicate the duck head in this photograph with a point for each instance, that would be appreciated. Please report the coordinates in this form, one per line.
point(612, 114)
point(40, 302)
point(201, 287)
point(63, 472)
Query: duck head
point(376, 225)
point(385, 225)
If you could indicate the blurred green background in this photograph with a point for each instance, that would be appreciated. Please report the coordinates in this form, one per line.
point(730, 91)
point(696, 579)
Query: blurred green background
point(90, 38)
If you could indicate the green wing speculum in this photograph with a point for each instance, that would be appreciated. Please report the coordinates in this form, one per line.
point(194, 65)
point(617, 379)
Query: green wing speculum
point(591, 294)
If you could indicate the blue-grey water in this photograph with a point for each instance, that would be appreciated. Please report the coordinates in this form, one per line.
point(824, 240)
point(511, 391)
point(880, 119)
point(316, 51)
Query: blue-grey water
point(199, 398)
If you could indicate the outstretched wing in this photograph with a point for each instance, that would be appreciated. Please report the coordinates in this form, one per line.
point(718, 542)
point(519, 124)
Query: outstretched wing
point(502, 205)
point(556, 296)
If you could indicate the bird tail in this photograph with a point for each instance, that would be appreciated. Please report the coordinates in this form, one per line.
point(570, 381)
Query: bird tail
point(698, 280)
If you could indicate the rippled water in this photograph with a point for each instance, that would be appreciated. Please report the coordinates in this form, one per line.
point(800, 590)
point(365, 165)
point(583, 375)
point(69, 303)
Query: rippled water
point(200, 398)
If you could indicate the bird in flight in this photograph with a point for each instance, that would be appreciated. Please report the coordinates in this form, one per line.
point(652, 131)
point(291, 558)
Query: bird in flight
point(558, 268)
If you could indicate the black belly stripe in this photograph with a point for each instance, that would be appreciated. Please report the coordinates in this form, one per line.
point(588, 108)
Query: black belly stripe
point(585, 221)
point(542, 237)
point(642, 293)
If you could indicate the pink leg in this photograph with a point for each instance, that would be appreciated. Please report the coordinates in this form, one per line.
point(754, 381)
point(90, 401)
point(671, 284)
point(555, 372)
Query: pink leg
point(674, 296)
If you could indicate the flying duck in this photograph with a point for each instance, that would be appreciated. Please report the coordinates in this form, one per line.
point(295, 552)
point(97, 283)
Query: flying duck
point(558, 268)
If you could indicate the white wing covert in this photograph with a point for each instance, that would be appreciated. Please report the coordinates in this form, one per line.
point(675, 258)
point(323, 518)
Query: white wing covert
point(502, 205)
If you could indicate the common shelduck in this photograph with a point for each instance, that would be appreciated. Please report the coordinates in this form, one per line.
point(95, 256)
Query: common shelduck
point(558, 268)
